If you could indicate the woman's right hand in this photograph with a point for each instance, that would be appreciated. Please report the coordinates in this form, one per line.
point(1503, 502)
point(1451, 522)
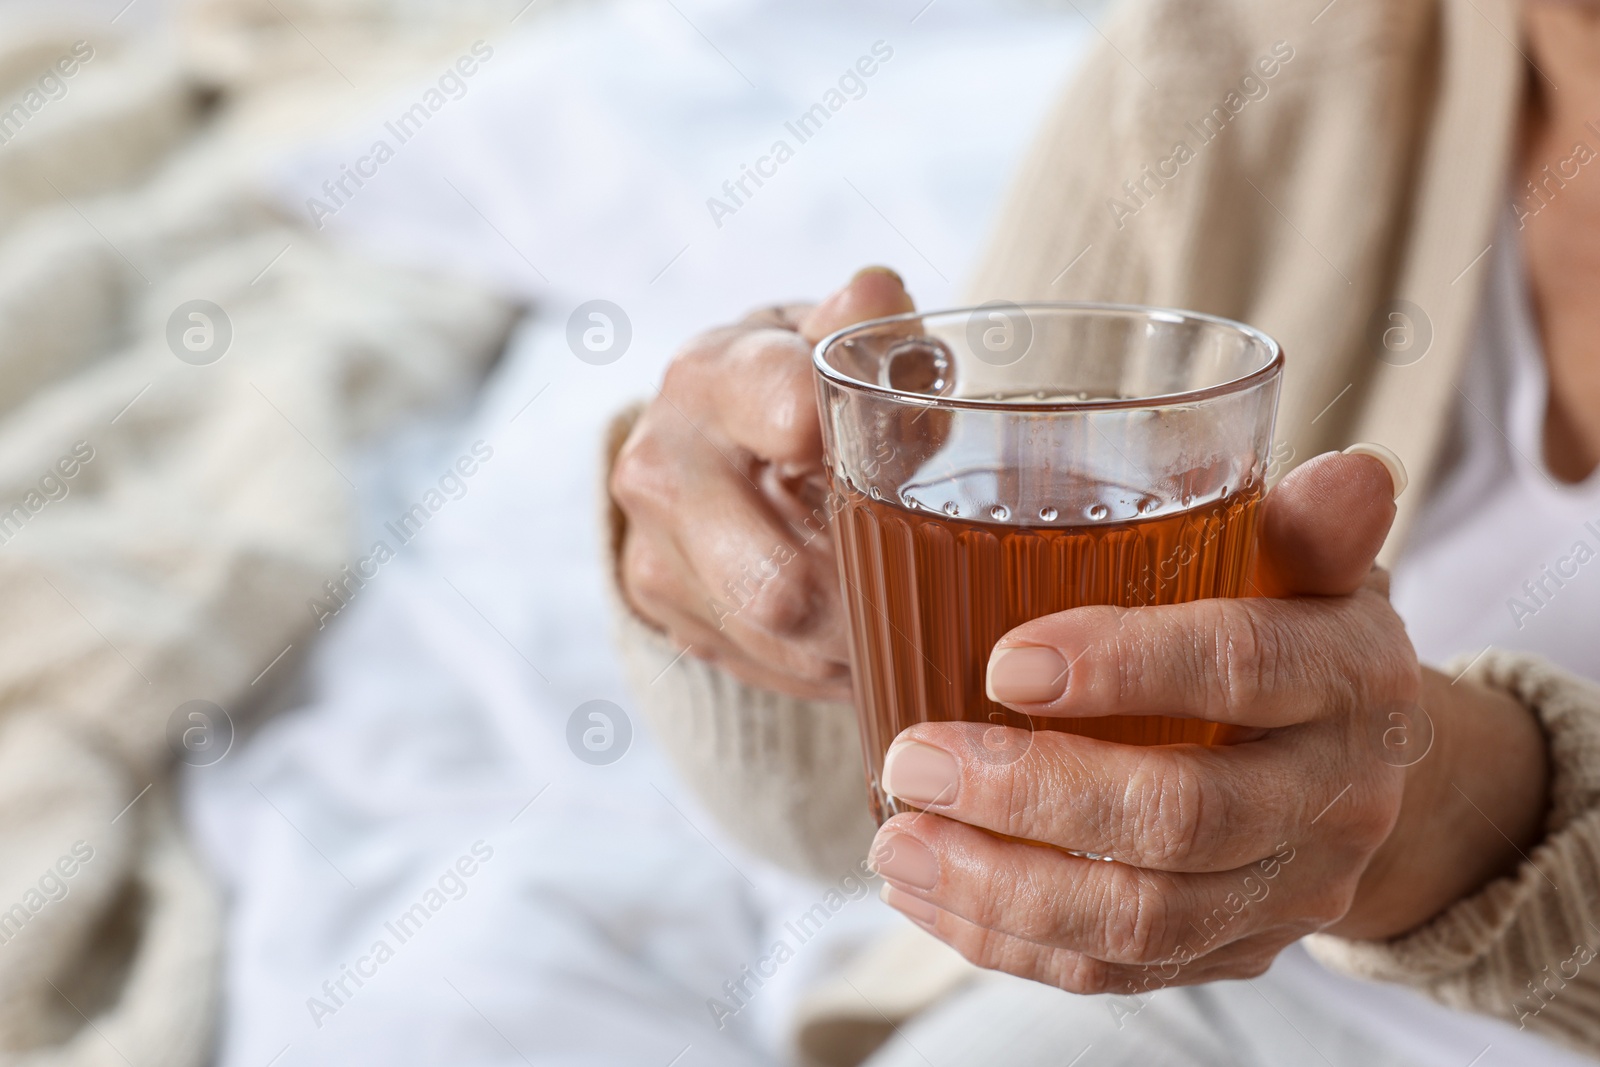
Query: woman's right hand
point(727, 545)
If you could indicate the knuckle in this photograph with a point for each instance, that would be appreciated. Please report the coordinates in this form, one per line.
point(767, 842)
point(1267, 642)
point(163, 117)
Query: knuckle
point(776, 364)
point(1253, 965)
point(767, 315)
point(1017, 793)
point(1086, 976)
point(767, 349)
point(782, 604)
point(1327, 905)
point(1398, 669)
point(1368, 822)
point(694, 369)
point(1018, 896)
point(1026, 787)
point(807, 667)
point(1142, 926)
point(1167, 814)
point(1127, 650)
point(993, 950)
point(1248, 650)
point(646, 577)
point(640, 477)
point(1258, 966)
point(1376, 650)
point(685, 374)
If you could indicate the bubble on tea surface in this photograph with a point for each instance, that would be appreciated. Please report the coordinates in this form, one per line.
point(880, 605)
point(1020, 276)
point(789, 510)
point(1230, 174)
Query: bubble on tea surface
point(951, 508)
point(875, 493)
point(999, 513)
point(1048, 514)
point(1148, 505)
point(919, 365)
point(1098, 511)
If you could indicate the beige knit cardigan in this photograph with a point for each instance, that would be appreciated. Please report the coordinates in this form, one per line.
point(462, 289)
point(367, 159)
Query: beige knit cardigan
point(1300, 167)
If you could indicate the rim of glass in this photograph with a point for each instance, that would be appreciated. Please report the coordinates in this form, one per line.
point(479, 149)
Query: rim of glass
point(1272, 366)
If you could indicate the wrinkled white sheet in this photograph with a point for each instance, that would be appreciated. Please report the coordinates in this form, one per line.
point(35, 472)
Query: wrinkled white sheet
point(434, 710)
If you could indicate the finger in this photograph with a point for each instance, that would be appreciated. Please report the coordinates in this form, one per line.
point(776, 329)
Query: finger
point(1110, 911)
point(764, 390)
point(875, 292)
point(1257, 661)
point(819, 680)
point(747, 393)
point(663, 591)
point(765, 398)
point(1322, 526)
point(779, 609)
point(1176, 808)
point(1076, 972)
point(726, 534)
point(752, 567)
point(659, 586)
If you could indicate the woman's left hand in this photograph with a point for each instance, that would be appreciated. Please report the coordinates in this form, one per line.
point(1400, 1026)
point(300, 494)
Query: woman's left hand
point(1326, 814)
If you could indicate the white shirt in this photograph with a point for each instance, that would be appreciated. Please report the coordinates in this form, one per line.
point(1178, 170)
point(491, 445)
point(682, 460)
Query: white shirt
point(1503, 554)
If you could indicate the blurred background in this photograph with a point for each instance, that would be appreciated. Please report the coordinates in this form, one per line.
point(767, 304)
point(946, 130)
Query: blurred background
point(312, 317)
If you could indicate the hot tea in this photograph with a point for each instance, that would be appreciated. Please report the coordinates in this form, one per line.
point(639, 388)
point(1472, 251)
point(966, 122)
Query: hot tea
point(928, 596)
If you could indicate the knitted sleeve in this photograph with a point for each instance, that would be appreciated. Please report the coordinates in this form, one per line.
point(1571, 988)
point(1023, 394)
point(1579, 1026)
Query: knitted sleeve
point(1523, 947)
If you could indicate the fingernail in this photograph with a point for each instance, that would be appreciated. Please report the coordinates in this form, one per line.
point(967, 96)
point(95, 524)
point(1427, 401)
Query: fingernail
point(902, 858)
point(912, 907)
point(1025, 674)
point(864, 271)
point(1390, 461)
point(920, 773)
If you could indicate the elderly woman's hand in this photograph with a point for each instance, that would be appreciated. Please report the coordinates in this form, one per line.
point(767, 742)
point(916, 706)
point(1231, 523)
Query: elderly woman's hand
point(717, 481)
point(1342, 804)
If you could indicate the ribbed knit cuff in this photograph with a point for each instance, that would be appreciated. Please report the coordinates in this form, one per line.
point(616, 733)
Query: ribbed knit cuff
point(1520, 947)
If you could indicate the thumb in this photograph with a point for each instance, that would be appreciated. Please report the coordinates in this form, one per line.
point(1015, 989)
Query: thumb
point(872, 294)
point(1322, 526)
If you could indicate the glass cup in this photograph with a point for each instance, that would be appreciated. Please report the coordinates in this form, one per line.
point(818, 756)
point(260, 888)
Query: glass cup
point(994, 464)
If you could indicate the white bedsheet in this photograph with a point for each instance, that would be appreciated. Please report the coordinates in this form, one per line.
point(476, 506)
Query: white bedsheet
point(434, 711)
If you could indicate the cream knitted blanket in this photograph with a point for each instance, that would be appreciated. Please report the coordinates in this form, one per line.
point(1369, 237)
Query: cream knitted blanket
point(173, 491)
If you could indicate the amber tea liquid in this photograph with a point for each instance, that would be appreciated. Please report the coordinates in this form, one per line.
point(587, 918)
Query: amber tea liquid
point(928, 596)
